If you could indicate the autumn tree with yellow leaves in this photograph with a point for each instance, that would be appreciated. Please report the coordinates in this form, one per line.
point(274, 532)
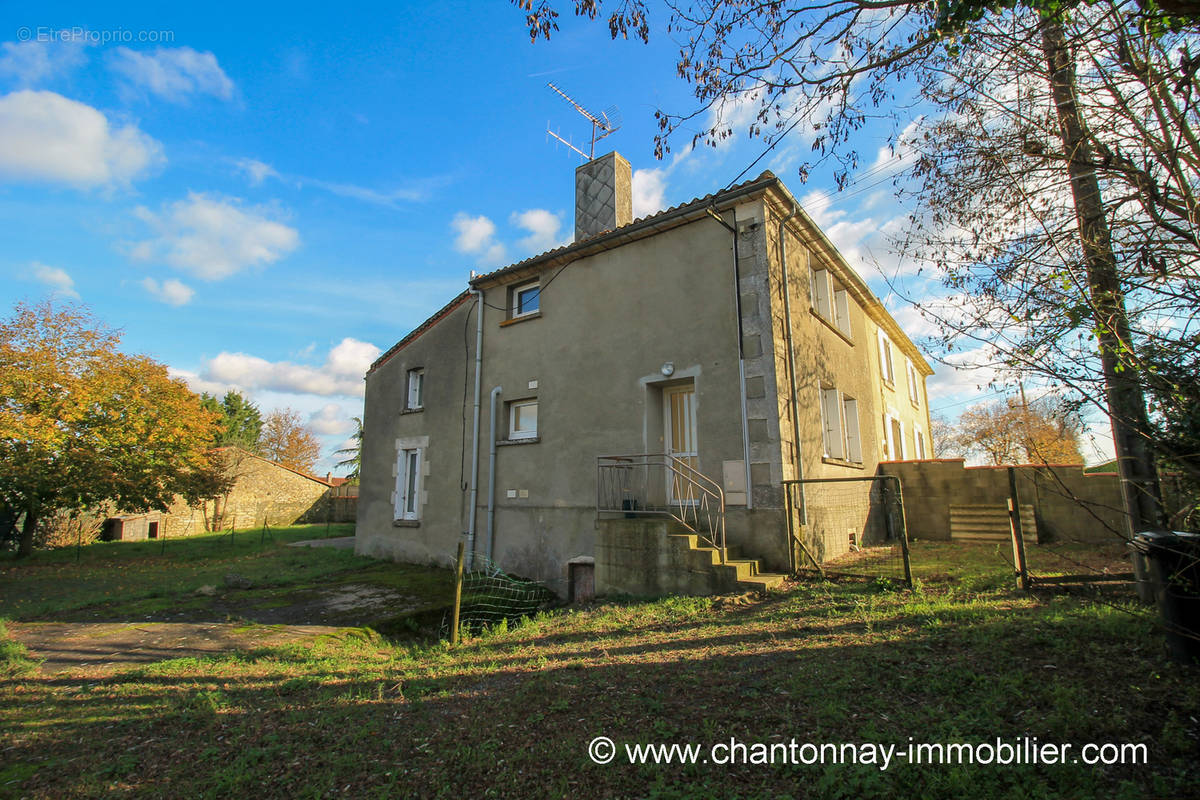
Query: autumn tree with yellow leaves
point(82, 423)
point(286, 440)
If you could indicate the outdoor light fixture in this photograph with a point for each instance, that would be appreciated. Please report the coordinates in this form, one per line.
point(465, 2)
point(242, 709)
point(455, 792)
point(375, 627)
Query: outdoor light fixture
point(668, 369)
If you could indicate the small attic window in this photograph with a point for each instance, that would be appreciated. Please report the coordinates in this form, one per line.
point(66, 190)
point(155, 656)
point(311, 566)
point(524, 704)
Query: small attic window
point(526, 299)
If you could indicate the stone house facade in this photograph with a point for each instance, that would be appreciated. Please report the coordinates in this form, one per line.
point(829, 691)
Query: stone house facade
point(726, 333)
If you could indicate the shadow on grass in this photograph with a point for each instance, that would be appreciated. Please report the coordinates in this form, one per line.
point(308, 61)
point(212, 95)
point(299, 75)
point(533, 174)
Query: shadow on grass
point(511, 715)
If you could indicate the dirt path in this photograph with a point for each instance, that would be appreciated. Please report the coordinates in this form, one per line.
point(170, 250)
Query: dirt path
point(104, 647)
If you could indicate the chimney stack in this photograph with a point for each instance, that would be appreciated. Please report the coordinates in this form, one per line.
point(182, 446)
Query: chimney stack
point(603, 195)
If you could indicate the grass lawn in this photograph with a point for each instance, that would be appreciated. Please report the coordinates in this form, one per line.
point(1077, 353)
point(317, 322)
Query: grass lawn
point(157, 579)
point(963, 658)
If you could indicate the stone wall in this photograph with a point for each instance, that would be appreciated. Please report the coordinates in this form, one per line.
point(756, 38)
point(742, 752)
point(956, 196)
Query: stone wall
point(1070, 505)
point(263, 490)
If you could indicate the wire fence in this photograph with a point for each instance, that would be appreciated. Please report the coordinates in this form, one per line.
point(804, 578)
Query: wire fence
point(490, 597)
point(852, 527)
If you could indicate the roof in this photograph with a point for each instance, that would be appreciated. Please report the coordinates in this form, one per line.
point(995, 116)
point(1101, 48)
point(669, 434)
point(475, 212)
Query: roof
point(301, 473)
point(664, 220)
point(424, 326)
point(653, 223)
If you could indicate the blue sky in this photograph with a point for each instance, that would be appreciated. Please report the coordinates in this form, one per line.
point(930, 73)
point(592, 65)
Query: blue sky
point(264, 198)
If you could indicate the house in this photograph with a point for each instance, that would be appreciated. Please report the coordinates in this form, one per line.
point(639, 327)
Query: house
point(660, 363)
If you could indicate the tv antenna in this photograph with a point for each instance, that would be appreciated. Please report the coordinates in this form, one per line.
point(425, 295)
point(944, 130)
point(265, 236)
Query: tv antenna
point(604, 123)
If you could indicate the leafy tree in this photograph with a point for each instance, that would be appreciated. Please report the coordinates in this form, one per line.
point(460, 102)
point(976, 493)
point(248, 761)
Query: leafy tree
point(942, 441)
point(1045, 431)
point(242, 423)
point(288, 441)
point(353, 453)
point(82, 423)
point(1092, 105)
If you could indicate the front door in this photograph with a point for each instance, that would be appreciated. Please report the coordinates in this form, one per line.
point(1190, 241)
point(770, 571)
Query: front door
point(679, 424)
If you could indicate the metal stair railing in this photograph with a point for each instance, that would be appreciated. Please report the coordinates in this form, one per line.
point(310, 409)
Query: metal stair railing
point(637, 485)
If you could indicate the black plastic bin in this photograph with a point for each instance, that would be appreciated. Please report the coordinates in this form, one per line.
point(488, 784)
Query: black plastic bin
point(1166, 566)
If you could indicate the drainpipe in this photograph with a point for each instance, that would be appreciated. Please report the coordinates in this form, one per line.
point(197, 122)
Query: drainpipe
point(471, 514)
point(797, 450)
point(737, 307)
point(491, 512)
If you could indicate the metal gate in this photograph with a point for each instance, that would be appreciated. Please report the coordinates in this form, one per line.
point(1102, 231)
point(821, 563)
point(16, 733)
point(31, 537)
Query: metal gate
point(849, 527)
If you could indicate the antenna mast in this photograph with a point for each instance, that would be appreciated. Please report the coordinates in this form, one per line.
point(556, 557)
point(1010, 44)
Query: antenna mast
point(603, 124)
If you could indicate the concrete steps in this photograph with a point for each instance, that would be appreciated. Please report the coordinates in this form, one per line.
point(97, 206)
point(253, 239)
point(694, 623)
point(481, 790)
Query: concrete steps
point(743, 572)
point(650, 556)
point(989, 523)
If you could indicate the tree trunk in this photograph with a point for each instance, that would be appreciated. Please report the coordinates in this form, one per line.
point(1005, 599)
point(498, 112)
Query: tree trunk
point(1123, 391)
point(25, 546)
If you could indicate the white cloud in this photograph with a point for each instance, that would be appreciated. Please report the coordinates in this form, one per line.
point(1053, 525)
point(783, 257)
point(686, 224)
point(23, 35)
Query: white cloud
point(256, 170)
point(170, 291)
point(172, 73)
point(198, 384)
point(649, 190)
point(47, 137)
point(56, 278)
point(865, 242)
point(477, 235)
point(391, 197)
point(331, 420)
point(474, 233)
point(31, 63)
point(213, 238)
point(543, 227)
point(965, 374)
point(341, 374)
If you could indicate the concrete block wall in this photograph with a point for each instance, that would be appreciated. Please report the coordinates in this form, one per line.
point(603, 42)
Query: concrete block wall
point(1069, 505)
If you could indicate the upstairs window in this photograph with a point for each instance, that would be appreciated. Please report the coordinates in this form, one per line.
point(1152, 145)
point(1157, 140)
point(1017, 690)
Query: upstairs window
point(416, 389)
point(841, 308)
point(885, 359)
point(914, 386)
point(526, 299)
point(829, 300)
point(839, 422)
point(821, 294)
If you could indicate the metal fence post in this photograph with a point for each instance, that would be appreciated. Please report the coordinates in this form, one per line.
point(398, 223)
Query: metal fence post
point(903, 532)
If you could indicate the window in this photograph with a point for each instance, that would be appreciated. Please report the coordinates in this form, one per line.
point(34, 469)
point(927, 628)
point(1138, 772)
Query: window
point(831, 418)
point(829, 300)
point(526, 299)
point(885, 358)
point(893, 437)
point(839, 424)
point(914, 387)
point(821, 293)
point(841, 307)
point(920, 444)
point(408, 484)
point(850, 420)
point(416, 388)
point(522, 420)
